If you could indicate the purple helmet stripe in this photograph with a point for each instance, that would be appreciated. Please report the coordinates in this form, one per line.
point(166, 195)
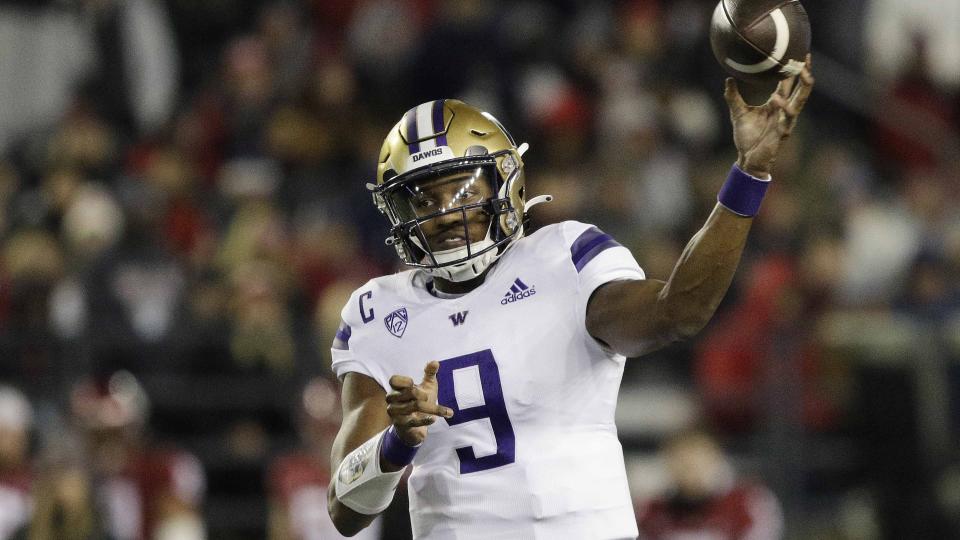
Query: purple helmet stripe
point(438, 121)
point(410, 119)
point(591, 243)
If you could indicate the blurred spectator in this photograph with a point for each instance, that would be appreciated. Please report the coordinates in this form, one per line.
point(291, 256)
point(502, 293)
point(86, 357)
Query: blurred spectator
point(929, 294)
point(764, 350)
point(48, 51)
point(16, 469)
point(261, 339)
point(31, 263)
point(920, 131)
point(135, 290)
point(298, 481)
point(123, 52)
point(708, 500)
point(893, 28)
point(289, 45)
point(135, 80)
point(66, 507)
point(139, 490)
point(881, 240)
point(84, 141)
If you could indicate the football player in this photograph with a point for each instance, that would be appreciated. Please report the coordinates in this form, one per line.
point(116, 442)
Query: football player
point(493, 365)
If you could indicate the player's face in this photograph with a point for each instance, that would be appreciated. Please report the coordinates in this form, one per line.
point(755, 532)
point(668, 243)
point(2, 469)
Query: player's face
point(452, 229)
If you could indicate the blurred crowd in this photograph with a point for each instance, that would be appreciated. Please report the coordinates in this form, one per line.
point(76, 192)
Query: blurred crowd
point(183, 214)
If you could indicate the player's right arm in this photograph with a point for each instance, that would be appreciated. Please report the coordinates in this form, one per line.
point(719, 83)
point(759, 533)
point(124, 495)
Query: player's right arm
point(367, 411)
point(364, 416)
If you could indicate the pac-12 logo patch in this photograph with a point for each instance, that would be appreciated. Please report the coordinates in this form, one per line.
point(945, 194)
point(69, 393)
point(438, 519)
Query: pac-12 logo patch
point(397, 322)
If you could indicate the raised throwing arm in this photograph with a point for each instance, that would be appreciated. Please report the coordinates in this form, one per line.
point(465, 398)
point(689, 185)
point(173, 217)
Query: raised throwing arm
point(636, 317)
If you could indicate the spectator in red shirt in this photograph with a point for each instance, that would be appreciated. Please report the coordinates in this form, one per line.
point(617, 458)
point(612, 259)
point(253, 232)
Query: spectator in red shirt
point(298, 481)
point(119, 485)
point(708, 501)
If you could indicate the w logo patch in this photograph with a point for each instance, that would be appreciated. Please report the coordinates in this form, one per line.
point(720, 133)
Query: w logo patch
point(459, 318)
point(396, 322)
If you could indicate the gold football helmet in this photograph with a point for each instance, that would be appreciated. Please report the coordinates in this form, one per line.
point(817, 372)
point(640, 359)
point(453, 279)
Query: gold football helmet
point(449, 142)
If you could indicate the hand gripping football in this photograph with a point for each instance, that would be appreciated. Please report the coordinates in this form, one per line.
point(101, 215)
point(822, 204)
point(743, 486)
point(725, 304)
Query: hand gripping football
point(760, 40)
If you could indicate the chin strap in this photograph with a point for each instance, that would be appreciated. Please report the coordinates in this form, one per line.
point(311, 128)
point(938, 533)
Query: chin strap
point(474, 267)
point(469, 269)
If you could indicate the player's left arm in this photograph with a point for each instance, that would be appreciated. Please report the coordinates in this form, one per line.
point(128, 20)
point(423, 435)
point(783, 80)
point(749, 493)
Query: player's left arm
point(637, 317)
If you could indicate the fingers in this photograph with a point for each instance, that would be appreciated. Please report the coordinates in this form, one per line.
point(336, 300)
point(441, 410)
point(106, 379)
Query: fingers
point(734, 100)
point(808, 68)
point(785, 86)
point(397, 406)
point(409, 399)
point(786, 121)
point(401, 408)
point(420, 421)
point(399, 382)
point(778, 101)
point(410, 393)
point(430, 372)
point(416, 413)
point(434, 409)
point(802, 92)
point(792, 105)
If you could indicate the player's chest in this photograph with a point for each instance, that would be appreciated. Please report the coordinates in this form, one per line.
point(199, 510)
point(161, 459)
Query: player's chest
point(504, 348)
point(511, 313)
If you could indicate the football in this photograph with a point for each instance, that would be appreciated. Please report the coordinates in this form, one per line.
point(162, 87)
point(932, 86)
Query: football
point(760, 40)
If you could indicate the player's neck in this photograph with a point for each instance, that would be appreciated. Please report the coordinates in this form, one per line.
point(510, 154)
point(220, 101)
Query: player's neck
point(458, 287)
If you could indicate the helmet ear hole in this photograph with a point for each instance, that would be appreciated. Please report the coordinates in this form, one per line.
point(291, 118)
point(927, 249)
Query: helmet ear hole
point(477, 150)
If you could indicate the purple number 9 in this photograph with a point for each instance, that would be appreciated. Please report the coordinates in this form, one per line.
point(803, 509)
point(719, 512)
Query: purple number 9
point(493, 407)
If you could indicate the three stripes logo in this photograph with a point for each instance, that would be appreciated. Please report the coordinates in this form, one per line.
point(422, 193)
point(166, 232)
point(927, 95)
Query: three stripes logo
point(518, 291)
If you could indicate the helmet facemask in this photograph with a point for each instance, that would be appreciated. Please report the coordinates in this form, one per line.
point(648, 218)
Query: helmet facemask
point(452, 220)
point(448, 139)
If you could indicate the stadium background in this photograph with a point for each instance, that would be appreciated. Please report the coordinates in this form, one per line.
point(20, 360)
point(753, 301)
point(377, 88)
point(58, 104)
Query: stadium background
point(182, 196)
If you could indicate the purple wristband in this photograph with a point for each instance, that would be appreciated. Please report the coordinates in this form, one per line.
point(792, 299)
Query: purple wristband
point(742, 193)
point(394, 450)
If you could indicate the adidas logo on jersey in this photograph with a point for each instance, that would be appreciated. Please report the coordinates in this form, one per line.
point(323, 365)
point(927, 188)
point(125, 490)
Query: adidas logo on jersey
point(518, 291)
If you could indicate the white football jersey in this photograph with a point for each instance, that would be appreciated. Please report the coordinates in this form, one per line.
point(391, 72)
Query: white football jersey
point(532, 450)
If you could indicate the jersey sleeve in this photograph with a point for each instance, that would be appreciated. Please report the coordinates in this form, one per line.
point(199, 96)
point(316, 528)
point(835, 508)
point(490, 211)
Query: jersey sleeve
point(597, 259)
point(347, 350)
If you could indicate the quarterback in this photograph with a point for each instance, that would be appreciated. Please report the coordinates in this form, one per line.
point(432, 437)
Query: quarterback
point(492, 366)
